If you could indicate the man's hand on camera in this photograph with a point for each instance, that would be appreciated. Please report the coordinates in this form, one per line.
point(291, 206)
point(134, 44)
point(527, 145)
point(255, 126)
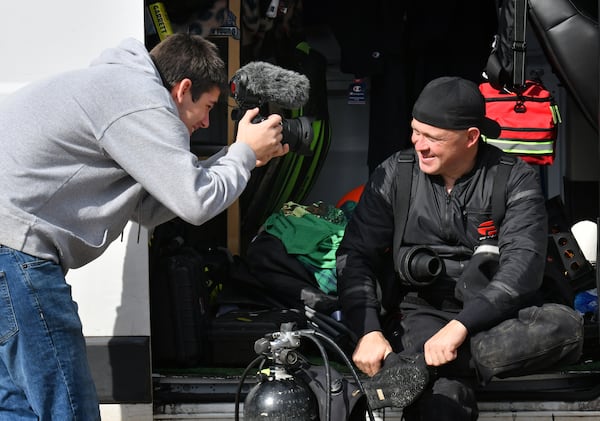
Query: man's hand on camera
point(442, 347)
point(370, 352)
point(264, 138)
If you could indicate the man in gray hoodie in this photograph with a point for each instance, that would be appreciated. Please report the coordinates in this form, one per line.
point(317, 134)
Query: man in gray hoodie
point(83, 153)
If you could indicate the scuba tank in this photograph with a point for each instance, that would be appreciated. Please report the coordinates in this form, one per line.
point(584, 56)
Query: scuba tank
point(280, 396)
point(291, 388)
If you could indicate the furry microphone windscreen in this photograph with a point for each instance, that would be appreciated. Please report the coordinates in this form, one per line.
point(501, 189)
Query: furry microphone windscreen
point(271, 83)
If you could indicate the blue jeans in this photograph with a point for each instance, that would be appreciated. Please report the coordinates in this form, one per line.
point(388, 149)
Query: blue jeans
point(44, 373)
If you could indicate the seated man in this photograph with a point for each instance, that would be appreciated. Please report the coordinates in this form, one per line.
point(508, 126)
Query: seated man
point(449, 214)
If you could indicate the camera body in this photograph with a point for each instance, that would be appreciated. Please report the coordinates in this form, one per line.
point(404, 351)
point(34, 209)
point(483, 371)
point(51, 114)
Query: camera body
point(297, 132)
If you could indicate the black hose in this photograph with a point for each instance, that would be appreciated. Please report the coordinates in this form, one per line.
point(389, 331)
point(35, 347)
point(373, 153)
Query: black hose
point(327, 371)
point(320, 325)
point(350, 366)
point(332, 323)
point(260, 358)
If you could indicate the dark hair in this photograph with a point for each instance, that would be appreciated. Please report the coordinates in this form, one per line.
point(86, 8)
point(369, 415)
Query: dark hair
point(181, 56)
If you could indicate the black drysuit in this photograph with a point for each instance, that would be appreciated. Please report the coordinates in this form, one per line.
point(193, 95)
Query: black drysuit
point(449, 223)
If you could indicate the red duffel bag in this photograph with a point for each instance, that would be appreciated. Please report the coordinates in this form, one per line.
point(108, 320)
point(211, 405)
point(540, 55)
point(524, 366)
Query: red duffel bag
point(528, 120)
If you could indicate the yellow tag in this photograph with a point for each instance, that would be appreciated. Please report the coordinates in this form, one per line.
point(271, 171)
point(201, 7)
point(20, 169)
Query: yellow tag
point(161, 20)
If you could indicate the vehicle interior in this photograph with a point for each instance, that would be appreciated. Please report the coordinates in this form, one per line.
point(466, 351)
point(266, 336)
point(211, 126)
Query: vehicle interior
point(250, 286)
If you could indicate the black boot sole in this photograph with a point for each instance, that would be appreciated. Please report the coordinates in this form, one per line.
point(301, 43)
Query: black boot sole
point(399, 383)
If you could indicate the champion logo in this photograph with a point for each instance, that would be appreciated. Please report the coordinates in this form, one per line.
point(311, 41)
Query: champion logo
point(487, 229)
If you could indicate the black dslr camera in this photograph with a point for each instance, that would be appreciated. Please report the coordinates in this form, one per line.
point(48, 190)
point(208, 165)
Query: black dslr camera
point(297, 132)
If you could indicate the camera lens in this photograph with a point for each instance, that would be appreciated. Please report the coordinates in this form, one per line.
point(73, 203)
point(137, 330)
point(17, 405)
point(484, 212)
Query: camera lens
point(420, 266)
point(425, 266)
point(298, 133)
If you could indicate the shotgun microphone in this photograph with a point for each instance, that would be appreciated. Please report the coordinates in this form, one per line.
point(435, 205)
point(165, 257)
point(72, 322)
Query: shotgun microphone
point(259, 82)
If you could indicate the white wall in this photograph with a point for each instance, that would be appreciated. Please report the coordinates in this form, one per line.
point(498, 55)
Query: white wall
point(41, 38)
point(112, 291)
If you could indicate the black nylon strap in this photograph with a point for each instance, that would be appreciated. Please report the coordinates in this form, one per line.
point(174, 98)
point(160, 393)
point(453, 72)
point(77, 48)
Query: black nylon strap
point(404, 176)
point(499, 195)
point(403, 180)
point(519, 43)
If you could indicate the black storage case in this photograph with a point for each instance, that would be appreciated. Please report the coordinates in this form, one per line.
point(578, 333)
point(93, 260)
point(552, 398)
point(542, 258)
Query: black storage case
point(233, 334)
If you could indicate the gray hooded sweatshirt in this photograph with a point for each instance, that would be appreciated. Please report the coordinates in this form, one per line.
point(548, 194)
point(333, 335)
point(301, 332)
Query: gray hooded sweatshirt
point(86, 151)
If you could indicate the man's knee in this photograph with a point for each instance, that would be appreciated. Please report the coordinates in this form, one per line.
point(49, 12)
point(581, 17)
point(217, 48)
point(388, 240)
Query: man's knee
point(456, 390)
point(447, 400)
point(457, 399)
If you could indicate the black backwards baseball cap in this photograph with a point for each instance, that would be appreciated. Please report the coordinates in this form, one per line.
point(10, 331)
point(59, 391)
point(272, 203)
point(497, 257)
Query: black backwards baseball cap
point(454, 103)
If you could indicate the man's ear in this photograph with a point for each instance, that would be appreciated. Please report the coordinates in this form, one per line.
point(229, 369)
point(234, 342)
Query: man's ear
point(473, 135)
point(180, 89)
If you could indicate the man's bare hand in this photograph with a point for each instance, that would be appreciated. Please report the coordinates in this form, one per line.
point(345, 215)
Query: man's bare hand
point(442, 347)
point(370, 352)
point(264, 138)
